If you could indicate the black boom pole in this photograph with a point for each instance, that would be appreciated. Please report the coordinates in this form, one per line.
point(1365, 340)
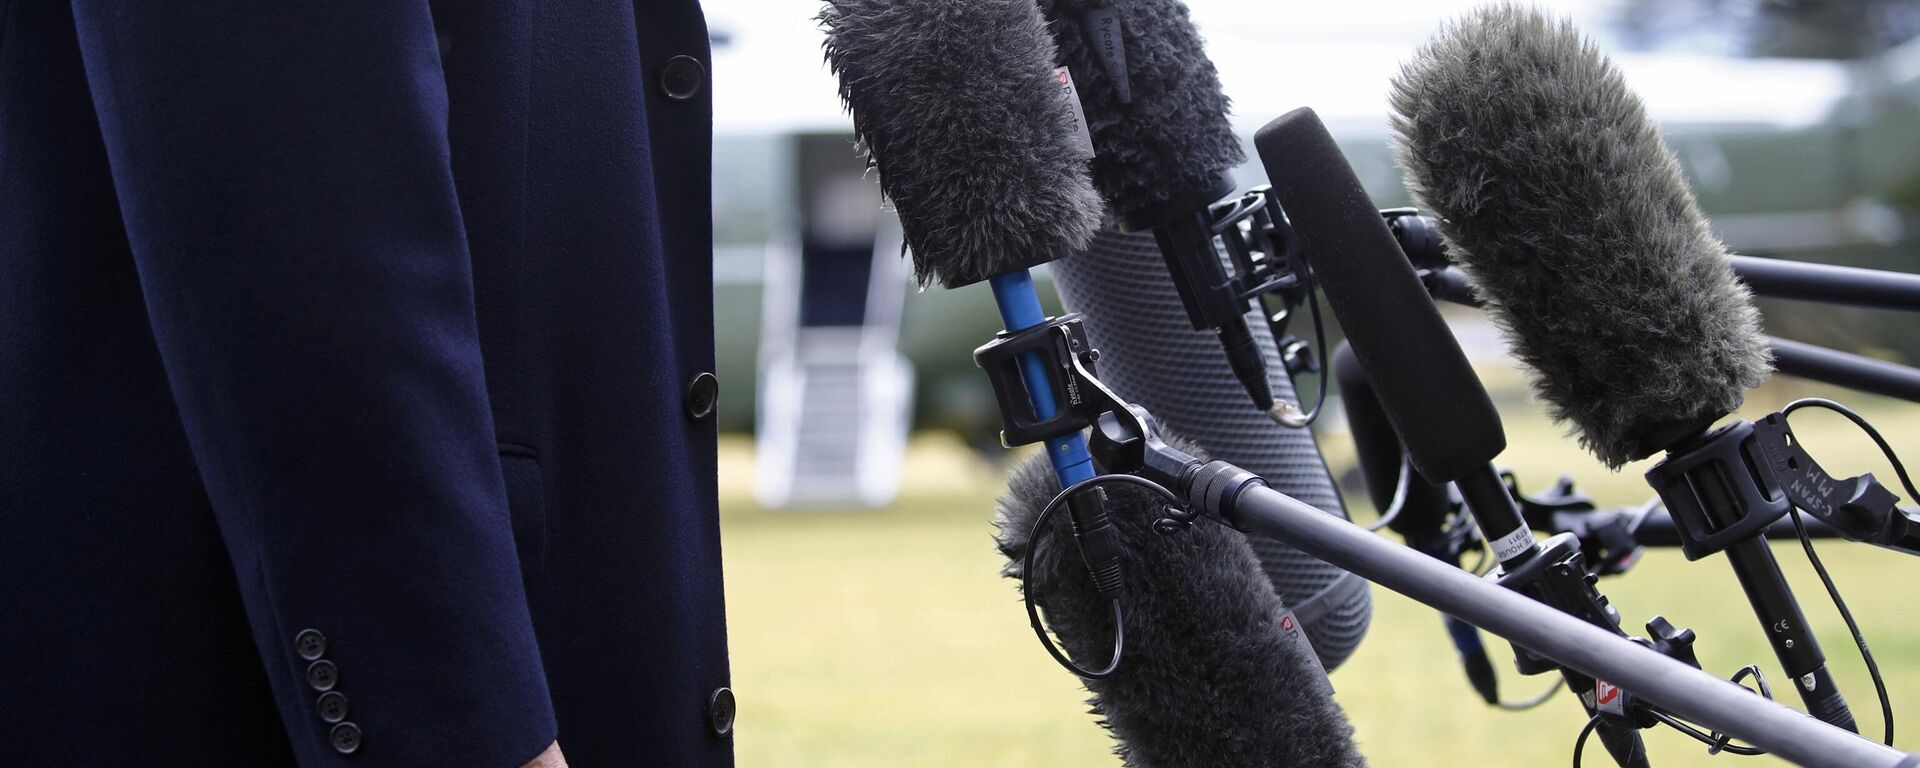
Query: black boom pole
point(1676, 687)
point(1829, 284)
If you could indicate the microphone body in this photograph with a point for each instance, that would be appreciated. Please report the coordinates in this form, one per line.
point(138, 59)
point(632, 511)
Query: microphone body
point(1163, 152)
point(1182, 376)
point(1185, 348)
point(1571, 217)
point(1212, 679)
point(1421, 518)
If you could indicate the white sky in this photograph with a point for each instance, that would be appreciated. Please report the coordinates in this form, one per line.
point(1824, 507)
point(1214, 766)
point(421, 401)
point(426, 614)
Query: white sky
point(1336, 57)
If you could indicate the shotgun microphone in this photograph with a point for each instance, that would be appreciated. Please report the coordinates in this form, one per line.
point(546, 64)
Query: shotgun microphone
point(1571, 218)
point(988, 180)
point(1426, 386)
point(1185, 350)
point(1215, 678)
point(1416, 509)
point(1163, 155)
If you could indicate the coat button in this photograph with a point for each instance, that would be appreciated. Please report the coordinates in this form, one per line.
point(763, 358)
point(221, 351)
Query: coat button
point(682, 77)
point(322, 675)
point(310, 644)
point(345, 738)
point(720, 709)
point(332, 706)
point(702, 394)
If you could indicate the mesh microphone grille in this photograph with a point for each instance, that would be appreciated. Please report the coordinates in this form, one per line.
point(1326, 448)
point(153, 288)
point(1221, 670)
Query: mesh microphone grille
point(1152, 356)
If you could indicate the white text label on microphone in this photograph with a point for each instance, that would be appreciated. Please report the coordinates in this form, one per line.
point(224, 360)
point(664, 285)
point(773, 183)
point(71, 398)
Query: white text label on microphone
point(1079, 114)
point(1512, 544)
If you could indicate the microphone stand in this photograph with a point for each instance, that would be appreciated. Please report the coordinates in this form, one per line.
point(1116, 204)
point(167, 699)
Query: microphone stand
point(1724, 488)
point(1859, 372)
point(1032, 409)
point(1125, 439)
point(1716, 504)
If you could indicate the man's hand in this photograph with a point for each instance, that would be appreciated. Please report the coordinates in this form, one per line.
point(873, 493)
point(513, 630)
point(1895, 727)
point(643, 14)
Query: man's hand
point(548, 759)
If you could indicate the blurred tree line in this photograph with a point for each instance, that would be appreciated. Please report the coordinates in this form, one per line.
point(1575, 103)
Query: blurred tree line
point(1803, 29)
point(1873, 136)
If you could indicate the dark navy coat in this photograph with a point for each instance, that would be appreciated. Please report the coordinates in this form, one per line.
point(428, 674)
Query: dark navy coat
point(348, 411)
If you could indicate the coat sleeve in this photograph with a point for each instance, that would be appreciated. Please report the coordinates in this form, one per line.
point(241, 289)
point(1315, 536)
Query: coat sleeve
point(282, 172)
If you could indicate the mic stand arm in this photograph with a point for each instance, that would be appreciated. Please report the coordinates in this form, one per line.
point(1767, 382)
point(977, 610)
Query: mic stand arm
point(1419, 236)
point(1793, 358)
point(1125, 438)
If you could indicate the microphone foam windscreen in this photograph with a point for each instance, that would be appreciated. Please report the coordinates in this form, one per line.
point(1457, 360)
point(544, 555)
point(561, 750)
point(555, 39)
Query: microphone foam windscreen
point(1571, 216)
point(1152, 98)
point(973, 138)
point(1208, 679)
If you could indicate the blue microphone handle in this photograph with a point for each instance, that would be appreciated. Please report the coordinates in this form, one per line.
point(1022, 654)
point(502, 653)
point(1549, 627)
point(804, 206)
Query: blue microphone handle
point(1020, 310)
point(1093, 531)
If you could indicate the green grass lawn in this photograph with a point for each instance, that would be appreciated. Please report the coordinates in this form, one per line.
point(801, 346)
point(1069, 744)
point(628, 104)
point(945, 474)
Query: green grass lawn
point(887, 637)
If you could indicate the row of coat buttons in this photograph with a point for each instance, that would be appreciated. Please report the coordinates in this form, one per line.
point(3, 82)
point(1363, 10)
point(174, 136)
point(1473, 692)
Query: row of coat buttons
point(322, 676)
point(681, 79)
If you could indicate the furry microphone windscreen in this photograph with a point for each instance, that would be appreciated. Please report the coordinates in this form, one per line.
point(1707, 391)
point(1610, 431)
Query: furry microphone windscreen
point(1207, 678)
point(974, 141)
point(1155, 108)
point(1573, 220)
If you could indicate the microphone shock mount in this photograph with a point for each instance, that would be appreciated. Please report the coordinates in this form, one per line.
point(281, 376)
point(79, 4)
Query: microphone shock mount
point(1723, 488)
point(1230, 258)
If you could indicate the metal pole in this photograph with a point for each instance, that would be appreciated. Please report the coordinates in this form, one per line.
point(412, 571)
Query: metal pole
point(1793, 358)
point(1807, 361)
point(1827, 283)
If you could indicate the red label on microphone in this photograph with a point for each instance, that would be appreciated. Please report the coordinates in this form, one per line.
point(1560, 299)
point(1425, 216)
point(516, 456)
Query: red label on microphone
point(1607, 698)
point(1290, 629)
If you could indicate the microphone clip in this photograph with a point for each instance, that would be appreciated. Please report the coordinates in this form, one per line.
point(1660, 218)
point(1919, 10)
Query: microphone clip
point(1230, 258)
point(1860, 508)
point(1737, 480)
point(1720, 489)
point(1067, 358)
point(1606, 536)
point(1125, 438)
